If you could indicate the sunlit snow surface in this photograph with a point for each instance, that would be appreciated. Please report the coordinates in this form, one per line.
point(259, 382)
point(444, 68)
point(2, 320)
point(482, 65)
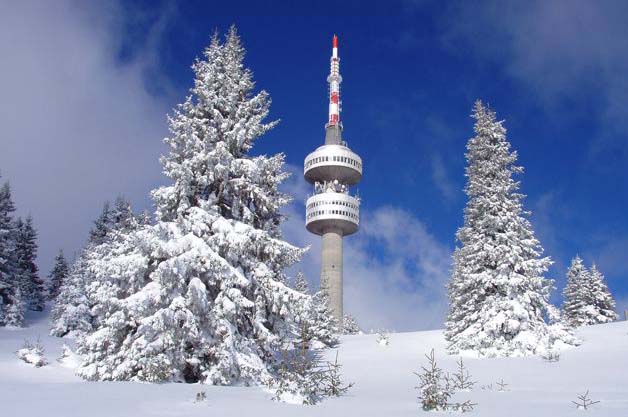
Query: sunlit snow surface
point(384, 383)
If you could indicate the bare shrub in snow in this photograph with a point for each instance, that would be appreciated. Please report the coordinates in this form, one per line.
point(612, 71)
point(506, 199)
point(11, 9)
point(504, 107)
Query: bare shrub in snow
point(33, 353)
point(584, 402)
point(200, 396)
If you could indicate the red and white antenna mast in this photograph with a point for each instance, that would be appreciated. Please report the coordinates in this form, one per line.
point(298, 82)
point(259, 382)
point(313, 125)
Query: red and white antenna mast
point(334, 79)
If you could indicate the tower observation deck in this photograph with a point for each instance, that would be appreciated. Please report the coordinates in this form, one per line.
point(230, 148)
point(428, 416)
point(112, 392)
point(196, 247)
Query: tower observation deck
point(332, 212)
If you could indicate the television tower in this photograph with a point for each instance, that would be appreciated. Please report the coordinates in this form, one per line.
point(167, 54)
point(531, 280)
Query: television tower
point(332, 212)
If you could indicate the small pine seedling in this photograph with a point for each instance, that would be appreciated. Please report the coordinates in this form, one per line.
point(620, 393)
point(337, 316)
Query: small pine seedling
point(383, 338)
point(584, 402)
point(501, 385)
point(551, 356)
point(461, 380)
point(434, 393)
point(332, 383)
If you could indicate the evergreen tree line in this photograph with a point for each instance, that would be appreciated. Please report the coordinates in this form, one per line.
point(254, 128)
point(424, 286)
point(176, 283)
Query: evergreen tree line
point(21, 287)
point(498, 293)
point(200, 293)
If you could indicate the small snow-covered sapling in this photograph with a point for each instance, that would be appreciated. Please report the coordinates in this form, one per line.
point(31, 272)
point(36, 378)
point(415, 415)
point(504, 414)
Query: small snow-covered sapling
point(33, 353)
point(461, 379)
point(551, 356)
point(584, 402)
point(501, 385)
point(383, 339)
point(331, 380)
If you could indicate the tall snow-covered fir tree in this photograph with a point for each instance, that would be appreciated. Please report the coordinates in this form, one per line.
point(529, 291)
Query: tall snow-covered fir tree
point(498, 294)
point(11, 304)
point(601, 303)
point(201, 295)
point(58, 275)
point(574, 298)
point(31, 284)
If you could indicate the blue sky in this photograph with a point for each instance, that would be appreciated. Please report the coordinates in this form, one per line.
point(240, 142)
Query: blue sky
point(98, 81)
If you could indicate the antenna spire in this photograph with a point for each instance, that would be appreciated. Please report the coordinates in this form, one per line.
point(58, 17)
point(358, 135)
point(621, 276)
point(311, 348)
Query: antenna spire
point(334, 79)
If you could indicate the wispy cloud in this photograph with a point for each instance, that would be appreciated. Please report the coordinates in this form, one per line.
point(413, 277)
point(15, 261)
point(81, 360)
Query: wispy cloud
point(441, 178)
point(563, 51)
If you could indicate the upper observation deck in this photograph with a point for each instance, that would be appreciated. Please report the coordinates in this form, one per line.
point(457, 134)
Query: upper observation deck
point(333, 162)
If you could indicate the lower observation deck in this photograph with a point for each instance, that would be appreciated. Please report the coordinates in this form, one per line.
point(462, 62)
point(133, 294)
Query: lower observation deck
point(333, 162)
point(329, 211)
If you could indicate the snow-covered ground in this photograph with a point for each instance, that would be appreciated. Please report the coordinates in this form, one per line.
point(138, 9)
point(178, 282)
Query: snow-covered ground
point(384, 382)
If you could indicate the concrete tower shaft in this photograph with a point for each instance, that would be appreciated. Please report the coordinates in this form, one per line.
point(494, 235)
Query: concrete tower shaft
point(331, 212)
point(331, 270)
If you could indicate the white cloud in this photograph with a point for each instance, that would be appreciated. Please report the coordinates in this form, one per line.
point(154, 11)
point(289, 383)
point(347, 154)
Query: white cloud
point(395, 271)
point(563, 51)
point(78, 127)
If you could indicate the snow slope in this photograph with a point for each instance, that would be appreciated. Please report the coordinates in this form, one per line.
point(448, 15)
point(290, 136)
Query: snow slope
point(384, 383)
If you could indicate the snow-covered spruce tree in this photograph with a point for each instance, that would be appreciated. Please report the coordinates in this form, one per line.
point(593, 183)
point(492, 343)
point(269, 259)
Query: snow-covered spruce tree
point(14, 313)
point(31, 284)
point(498, 295)
point(300, 283)
point(58, 275)
point(600, 303)
point(313, 316)
point(11, 305)
point(323, 326)
point(586, 298)
point(73, 310)
point(201, 295)
point(71, 313)
point(574, 293)
point(102, 226)
point(350, 325)
point(122, 219)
